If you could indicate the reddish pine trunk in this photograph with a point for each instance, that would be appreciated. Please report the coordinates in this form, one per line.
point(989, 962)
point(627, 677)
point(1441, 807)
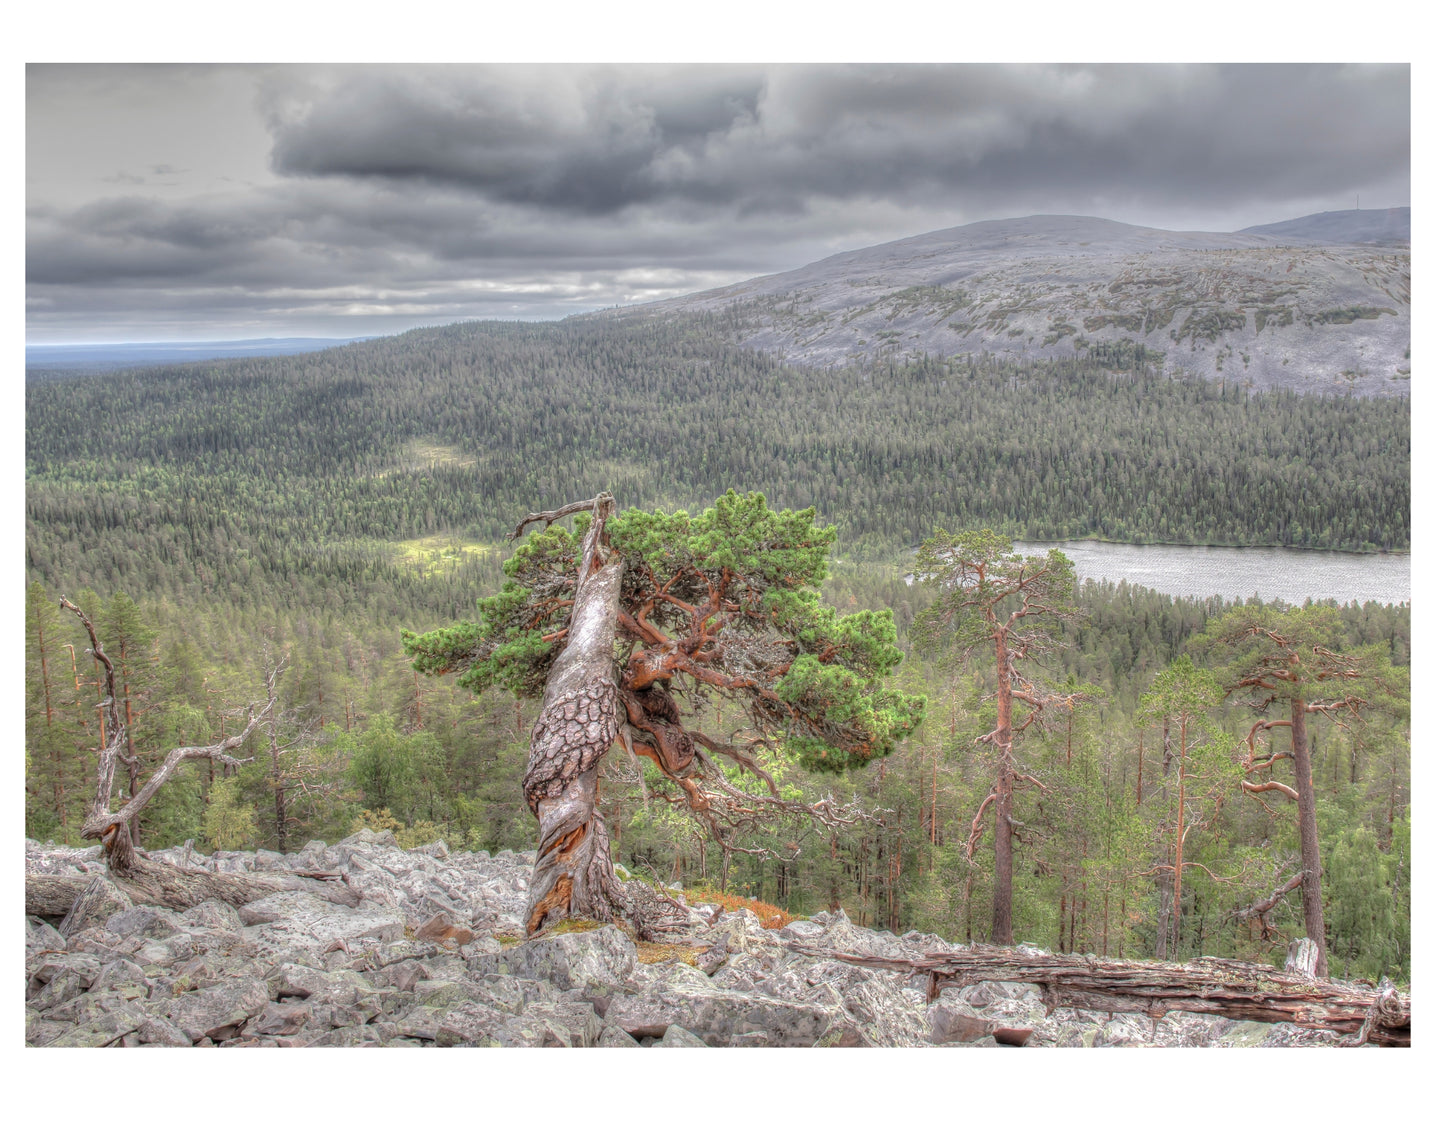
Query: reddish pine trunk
point(1139, 779)
point(1002, 931)
point(1309, 837)
point(1179, 843)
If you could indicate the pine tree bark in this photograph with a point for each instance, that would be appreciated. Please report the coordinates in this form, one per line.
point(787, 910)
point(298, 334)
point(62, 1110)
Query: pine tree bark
point(1309, 836)
point(1002, 930)
point(278, 783)
point(573, 875)
point(1162, 930)
point(1179, 843)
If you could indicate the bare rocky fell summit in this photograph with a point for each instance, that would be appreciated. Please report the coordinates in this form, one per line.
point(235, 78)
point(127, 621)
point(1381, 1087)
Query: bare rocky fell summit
point(427, 951)
point(1319, 304)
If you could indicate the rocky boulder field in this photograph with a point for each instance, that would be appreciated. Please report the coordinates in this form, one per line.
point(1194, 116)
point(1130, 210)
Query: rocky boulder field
point(433, 956)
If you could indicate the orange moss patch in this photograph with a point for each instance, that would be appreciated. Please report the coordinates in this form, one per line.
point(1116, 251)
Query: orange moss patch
point(770, 915)
point(650, 952)
point(572, 925)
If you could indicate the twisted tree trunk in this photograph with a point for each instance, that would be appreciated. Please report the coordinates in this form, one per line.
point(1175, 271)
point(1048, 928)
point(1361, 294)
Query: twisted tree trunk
point(573, 875)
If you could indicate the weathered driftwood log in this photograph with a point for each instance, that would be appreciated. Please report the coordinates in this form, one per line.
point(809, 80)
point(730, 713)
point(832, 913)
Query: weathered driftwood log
point(160, 884)
point(1230, 989)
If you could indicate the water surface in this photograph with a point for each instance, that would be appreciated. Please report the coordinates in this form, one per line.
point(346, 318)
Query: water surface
point(1291, 575)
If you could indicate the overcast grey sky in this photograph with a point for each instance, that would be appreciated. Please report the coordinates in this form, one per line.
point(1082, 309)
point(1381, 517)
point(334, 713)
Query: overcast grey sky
point(191, 202)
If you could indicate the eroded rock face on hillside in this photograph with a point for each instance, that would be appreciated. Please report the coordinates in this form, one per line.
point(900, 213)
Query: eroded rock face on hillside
point(432, 956)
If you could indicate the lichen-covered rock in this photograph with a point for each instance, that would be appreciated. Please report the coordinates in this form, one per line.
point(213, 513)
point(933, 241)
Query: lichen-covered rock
point(63, 986)
point(41, 936)
point(210, 1012)
point(741, 932)
point(402, 975)
point(213, 915)
point(361, 1036)
point(344, 987)
point(102, 1029)
point(676, 1036)
point(157, 1031)
point(440, 927)
point(148, 922)
point(596, 959)
point(293, 969)
point(616, 1037)
point(83, 966)
point(166, 951)
point(40, 1031)
point(684, 996)
point(293, 917)
point(120, 974)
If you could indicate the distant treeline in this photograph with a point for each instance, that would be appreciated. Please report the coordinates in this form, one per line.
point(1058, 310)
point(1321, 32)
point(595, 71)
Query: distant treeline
point(267, 473)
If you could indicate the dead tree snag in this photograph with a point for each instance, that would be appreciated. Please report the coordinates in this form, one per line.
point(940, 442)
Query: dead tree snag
point(141, 878)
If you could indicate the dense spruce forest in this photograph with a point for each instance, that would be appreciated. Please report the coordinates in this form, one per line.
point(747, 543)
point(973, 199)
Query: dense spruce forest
point(213, 518)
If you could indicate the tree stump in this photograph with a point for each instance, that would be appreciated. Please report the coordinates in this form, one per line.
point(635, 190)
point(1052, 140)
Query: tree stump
point(1303, 957)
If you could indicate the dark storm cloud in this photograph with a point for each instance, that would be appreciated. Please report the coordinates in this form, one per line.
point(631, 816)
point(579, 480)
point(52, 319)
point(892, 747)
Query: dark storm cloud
point(598, 142)
point(553, 137)
point(402, 195)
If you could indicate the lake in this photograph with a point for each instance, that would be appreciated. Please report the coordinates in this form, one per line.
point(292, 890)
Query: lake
point(1291, 575)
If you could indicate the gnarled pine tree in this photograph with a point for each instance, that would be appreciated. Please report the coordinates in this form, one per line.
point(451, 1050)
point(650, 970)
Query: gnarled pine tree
point(626, 627)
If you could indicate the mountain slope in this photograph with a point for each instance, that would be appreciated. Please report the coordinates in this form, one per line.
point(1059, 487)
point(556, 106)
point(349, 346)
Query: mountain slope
point(1293, 308)
point(1373, 225)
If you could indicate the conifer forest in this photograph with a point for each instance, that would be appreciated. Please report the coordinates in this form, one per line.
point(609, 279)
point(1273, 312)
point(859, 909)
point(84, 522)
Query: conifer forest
point(1138, 791)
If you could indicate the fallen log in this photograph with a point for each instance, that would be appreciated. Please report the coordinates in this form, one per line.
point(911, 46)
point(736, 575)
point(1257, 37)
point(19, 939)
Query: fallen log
point(1230, 989)
point(150, 883)
point(52, 895)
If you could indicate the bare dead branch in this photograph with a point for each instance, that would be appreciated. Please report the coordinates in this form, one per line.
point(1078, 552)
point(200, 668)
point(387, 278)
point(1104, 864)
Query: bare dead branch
point(1264, 905)
point(739, 757)
point(113, 750)
point(549, 516)
point(219, 752)
point(975, 831)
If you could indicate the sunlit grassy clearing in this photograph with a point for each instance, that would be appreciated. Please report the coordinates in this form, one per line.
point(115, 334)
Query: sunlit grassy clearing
point(440, 552)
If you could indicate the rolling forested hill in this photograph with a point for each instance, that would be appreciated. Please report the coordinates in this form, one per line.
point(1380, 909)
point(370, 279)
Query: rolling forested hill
point(266, 471)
